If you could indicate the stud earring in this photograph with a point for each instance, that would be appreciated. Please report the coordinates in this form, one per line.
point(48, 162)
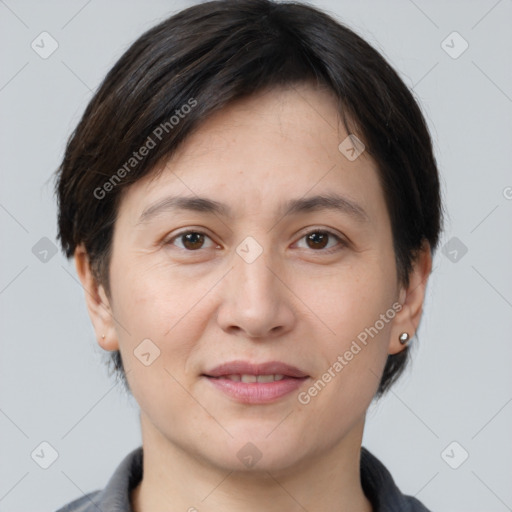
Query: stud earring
point(404, 338)
point(103, 336)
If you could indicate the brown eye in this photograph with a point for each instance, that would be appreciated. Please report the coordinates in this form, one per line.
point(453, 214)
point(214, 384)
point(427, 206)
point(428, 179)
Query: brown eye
point(189, 240)
point(192, 240)
point(317, 240)
point(321, 239)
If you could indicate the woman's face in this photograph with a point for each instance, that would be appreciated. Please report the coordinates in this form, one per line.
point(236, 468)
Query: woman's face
point(264, 277)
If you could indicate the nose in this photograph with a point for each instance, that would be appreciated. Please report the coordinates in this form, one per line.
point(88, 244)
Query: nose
point(256, 301)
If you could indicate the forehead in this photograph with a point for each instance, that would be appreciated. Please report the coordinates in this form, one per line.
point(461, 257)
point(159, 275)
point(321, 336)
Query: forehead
point(270, 119)
point(271, 146)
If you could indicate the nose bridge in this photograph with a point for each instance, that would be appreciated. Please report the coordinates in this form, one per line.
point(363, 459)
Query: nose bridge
point(258, 286)
point(254, 299)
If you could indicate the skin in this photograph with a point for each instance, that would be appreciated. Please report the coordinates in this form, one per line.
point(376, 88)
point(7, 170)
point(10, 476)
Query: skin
point(298, 302)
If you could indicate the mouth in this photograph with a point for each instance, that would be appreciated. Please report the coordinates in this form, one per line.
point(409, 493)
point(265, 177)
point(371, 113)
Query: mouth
point(256, 383)
point(246, 368)
point(247, 377)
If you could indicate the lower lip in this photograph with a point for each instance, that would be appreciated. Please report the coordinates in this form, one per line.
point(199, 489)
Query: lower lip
point(257, 392)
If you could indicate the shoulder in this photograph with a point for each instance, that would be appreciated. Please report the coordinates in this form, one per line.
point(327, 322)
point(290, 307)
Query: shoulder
point(116, 494)
point(84, 504)
point(381, 490)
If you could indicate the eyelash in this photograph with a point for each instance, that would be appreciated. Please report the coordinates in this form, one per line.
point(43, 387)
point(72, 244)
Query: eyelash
point(341, 242)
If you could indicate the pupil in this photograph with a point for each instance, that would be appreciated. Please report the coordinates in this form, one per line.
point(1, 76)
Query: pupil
point(319, 239)
point(193, 240)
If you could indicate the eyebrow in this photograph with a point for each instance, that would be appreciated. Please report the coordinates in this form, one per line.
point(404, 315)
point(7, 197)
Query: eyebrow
point(330, 201)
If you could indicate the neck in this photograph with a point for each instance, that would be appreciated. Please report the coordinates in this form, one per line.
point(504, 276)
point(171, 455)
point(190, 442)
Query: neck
point(174, 480)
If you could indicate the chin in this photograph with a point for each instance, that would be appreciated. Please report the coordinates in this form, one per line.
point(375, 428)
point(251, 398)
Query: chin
point(259, 448)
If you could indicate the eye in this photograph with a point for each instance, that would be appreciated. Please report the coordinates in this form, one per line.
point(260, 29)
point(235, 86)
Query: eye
point(190, 240)
point(320, 239)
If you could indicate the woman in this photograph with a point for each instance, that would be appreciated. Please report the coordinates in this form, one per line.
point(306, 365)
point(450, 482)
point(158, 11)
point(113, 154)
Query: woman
point(252, 202)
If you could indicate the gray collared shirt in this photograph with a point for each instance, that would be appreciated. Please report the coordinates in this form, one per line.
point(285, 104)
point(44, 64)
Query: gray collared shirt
point(376, 480)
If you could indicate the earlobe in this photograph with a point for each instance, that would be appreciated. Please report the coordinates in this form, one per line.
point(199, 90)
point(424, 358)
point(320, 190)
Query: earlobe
point(406, 322)
point(98, 304)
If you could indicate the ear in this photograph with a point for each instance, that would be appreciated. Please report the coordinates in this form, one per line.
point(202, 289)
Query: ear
point(98, 304)
point(411, 298)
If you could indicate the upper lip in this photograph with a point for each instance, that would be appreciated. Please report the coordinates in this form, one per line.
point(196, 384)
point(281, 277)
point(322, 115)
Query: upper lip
point(247, 368)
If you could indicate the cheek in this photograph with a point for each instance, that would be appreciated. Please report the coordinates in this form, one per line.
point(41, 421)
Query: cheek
point(154, 299)
point(163, 333)
point(158, 322)
point(348, 300)
point(355, 311)
point(353, 361)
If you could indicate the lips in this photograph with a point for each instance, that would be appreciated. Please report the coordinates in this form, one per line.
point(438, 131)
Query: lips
point(252, 378)
point(250, 383)
point(244, 368)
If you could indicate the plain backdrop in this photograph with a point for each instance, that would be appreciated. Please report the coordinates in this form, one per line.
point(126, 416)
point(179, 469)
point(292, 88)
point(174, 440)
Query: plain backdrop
point(455, 401)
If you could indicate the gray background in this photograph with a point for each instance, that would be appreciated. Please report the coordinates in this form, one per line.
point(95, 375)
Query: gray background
point(53, 386)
